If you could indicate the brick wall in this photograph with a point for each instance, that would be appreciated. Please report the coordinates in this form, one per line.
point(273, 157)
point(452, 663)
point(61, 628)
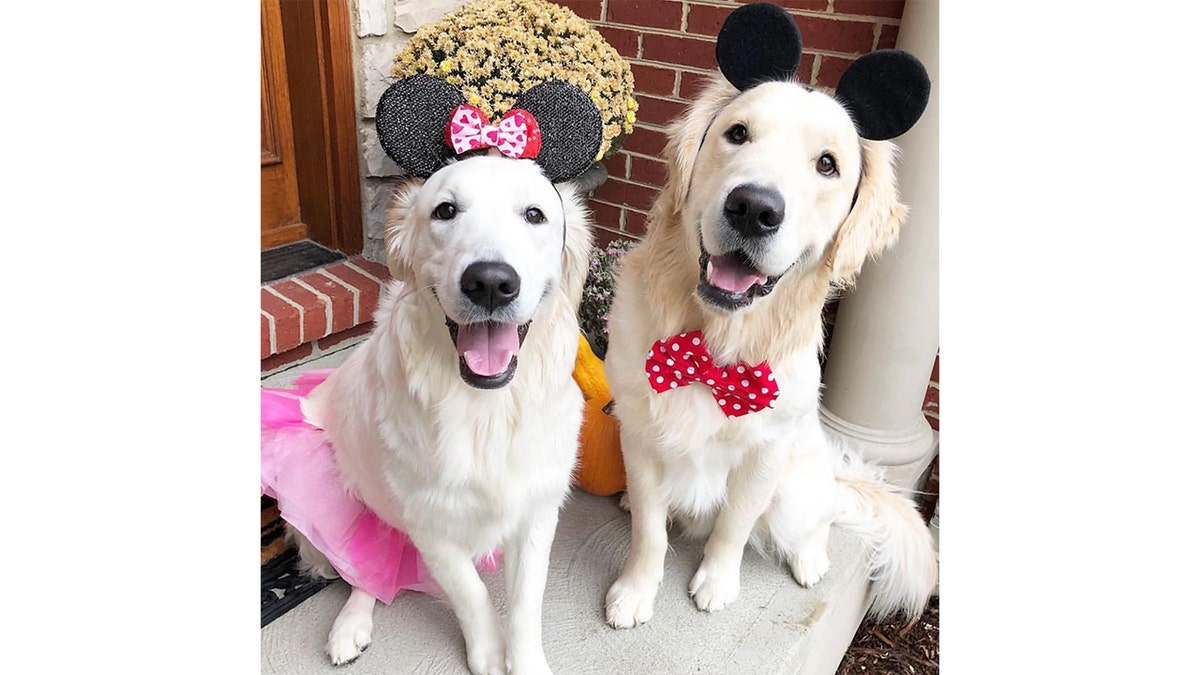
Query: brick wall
point(670, 44)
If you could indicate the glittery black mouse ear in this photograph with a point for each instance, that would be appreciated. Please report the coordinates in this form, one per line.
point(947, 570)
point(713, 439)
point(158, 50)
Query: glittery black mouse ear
point(758, 43)
point(411, 120)
point(570, 127)
point(885, 92)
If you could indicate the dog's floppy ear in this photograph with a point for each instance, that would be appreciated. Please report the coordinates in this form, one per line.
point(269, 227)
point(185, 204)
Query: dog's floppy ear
point(411, 121)
point(399, 230)
point(758, 43)
point(885, 93)
point(874, 223)
point(685, 136)
point(570, 126)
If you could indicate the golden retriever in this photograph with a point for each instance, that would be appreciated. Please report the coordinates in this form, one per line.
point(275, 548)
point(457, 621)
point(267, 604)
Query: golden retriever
point(775, 197)
point(455, 424)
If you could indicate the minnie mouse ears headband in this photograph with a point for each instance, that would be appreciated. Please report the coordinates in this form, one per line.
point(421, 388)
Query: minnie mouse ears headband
point(423, 122)
point(885, 92)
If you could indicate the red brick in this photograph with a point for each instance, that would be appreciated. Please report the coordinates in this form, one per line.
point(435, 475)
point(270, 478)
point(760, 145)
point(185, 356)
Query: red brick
point(650, 171)
point(586, 9)
point(887, 37)
point(809, 5)
point(624, 41)
point(341, 297)
point(635, 222)
point(932, 488)
point(630, 194)
point(605, 215)
point(891, 9)
point(804, 73)
point(706, 19)
point(933, 420)
point(368, 289)
point(312, 321)
point(652, 80)
point(831, 70)
point(605, 236)
point(616, 165)
point(648, 13)
point(683, 51)
point(931, 400)
point(657, 111)
point(266, 337)
point(646, 141)
point(851, 37)
point(291, 356)
point(933, 377)
point(691, 84)
point(287, 320)
point(376, 270)
point(331, 340)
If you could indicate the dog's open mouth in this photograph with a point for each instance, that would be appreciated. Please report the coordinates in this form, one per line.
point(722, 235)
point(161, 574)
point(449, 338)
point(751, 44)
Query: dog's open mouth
point(730, 281)
point(487, 351)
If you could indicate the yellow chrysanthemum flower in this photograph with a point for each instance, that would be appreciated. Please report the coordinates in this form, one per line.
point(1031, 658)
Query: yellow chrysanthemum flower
point(495, 49)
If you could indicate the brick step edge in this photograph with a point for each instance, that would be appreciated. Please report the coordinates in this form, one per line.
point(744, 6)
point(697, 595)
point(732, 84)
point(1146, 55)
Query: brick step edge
point(310, 312)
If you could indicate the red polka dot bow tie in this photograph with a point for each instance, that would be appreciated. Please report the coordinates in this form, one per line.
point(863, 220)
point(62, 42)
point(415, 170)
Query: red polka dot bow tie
point(516, 136)
point(684, 359)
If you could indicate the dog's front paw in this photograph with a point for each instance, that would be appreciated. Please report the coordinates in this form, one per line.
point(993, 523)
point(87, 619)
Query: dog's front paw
point(486, 657)
point(529, 664)
point(629, 604)
point(348, 638)
point(809, 565)
point(713, 587)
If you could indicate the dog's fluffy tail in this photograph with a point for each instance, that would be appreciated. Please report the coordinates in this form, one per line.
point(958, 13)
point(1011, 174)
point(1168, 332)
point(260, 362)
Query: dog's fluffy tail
point(903, 562)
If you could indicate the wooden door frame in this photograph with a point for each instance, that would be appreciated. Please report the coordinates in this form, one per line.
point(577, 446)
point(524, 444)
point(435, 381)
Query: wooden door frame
point(320, 70)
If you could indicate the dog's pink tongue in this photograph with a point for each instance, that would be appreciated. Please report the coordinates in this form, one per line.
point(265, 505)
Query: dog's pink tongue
point(488, 347)
point(729, 273)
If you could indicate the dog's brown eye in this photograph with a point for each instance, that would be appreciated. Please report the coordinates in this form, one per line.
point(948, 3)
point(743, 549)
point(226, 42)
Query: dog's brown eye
point(534, 216)
point(826, 165)
point(445, 211)
point(737, 134)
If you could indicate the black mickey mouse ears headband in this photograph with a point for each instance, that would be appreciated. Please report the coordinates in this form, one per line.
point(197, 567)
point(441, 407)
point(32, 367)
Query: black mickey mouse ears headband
point(885, 91)
point(423, 122)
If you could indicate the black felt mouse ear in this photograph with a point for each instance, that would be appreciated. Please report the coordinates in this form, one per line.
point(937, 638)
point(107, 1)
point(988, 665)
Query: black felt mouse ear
point(758, 43)
point(411, 120)
point(570, 126)
point(886, 93)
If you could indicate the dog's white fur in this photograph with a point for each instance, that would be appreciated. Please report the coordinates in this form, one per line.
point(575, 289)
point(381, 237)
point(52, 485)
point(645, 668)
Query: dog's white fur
point(770, 477)
point(463, 470)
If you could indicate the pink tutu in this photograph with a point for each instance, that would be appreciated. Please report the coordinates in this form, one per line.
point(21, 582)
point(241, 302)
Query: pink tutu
point(299, 472)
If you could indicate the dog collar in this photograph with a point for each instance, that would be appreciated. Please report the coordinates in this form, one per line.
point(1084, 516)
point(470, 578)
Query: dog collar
point(738, 389)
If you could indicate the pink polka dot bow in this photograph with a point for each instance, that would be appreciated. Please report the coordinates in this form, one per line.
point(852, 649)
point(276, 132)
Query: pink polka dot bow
point(684, 359)
point(516, 136)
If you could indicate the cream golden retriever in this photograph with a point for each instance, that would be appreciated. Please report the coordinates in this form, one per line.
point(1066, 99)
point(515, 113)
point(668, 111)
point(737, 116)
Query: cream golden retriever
point(454, 427)
point(773, 200)
point(457, 421)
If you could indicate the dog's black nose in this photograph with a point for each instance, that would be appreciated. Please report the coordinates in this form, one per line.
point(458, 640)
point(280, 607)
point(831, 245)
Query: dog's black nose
point(754, 210)
point(490, 285)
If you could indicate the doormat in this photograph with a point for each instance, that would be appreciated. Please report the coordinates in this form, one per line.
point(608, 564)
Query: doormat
point(283, 585)
point(284, 261)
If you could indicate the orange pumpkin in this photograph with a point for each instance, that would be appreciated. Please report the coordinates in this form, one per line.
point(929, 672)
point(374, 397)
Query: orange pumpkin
point(601, 469)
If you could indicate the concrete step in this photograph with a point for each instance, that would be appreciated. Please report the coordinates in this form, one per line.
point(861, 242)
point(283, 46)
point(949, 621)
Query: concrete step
point(775, 626)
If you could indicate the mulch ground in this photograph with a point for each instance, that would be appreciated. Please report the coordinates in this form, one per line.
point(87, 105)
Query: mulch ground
point(895, 648)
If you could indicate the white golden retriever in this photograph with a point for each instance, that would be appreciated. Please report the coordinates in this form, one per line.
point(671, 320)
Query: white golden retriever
point(772, 200)
point(457, 420)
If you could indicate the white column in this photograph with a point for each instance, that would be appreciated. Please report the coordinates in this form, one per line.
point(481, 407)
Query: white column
point(885, 337)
